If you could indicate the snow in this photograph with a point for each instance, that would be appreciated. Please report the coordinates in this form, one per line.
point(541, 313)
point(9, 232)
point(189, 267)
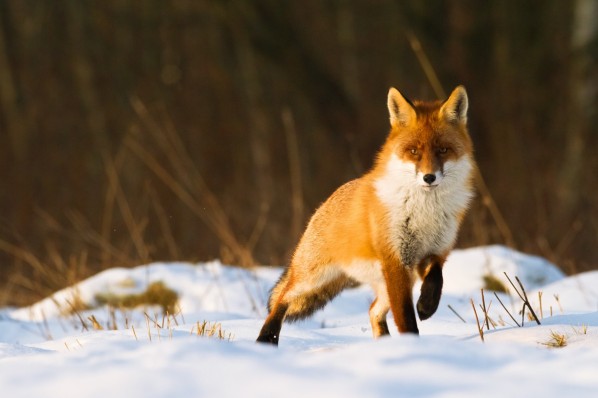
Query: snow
point(44, 352)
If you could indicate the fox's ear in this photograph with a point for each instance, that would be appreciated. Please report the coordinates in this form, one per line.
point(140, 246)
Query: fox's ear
point(455, 107)
point(400, 109)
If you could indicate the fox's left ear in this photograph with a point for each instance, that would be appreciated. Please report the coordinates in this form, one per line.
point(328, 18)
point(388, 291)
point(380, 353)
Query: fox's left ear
point(455, 107)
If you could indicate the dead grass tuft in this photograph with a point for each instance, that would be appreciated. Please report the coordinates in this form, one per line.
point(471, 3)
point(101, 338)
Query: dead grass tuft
point(206, 329)
point(556, 340)
point(157, 293)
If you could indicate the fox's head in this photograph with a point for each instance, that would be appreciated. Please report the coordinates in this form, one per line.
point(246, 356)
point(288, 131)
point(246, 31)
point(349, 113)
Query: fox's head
point(428, 141)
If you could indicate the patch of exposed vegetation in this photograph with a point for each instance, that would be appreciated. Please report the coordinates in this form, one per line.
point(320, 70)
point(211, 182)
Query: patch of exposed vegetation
point(157, 293)
point(493, 284)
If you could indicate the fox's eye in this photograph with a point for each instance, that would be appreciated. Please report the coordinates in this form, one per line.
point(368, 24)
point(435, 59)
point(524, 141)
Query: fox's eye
point(413, 151)
point(443, 150)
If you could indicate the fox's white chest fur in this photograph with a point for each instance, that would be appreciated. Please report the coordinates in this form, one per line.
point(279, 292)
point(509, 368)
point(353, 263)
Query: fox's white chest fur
point(423, 221)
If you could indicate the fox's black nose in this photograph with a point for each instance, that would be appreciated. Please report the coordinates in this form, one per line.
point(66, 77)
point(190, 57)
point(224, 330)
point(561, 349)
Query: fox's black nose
point(429, 178)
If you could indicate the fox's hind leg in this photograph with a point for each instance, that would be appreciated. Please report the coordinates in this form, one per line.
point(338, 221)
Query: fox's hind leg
point(277, 308)
point(431, 290)
point(271, 329)
point(298, 295)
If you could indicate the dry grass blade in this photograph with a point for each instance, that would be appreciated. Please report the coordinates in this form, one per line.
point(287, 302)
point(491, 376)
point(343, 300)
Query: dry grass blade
point(485, 311)
point(78, 314)
point(540, 300)
point(206, 329)
point(112, 324)
point(94, 322)
point(582, 330)
point(147, 323)
point(480, 327)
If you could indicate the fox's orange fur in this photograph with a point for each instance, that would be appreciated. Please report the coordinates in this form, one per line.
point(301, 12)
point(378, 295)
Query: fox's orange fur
point(397, 222)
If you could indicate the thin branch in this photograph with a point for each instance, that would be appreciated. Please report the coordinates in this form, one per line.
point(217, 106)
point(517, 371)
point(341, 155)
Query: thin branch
point(523, 297)
point(529, 307)
point(503, 306)
point(455, 312)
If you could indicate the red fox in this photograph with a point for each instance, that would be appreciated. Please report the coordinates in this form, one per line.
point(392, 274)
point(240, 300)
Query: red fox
point(396, 222)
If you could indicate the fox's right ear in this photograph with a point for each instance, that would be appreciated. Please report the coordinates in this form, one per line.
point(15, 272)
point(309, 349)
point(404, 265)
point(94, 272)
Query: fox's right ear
point(400, 109)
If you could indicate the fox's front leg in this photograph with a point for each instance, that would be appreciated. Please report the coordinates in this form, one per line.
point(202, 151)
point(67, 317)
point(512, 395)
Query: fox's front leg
point(431, 272)
point(399, 284)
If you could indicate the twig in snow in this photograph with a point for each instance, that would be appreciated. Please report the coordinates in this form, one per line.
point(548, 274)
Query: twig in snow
point(503, 306)
point(455, 312)
point(523, 297)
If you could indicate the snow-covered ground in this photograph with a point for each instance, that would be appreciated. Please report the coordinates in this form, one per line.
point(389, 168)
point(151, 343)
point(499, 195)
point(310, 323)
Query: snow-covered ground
point(47, 354)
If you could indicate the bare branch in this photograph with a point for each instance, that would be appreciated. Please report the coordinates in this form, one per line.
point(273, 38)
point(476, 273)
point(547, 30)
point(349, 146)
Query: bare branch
point(503, 306)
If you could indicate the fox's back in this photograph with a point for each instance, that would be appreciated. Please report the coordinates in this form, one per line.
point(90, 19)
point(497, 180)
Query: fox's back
point(340, 230)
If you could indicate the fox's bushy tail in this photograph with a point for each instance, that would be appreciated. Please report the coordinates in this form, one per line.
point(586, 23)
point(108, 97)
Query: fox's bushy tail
point(301, 304)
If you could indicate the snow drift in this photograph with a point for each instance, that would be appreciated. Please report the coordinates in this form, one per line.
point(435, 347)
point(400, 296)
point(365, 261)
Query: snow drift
point(45, 352)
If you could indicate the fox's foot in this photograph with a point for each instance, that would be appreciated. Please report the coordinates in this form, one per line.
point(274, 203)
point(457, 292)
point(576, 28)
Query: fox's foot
point(426, 308)
point(268, 338)
point(270, 332)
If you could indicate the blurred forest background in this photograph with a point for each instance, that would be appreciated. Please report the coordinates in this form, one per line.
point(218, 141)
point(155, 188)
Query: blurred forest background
point(133, 131)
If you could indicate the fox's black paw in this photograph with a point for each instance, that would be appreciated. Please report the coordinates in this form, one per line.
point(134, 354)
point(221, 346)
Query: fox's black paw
point(426, 307)
point(268, 339)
